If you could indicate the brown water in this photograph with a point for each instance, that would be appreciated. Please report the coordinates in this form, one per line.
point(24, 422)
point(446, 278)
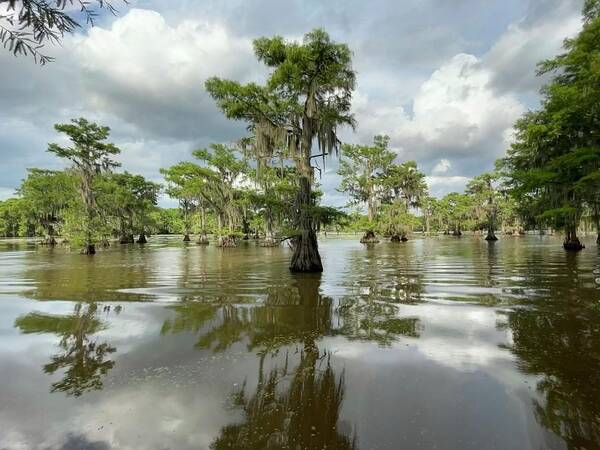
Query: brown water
point(437, 343)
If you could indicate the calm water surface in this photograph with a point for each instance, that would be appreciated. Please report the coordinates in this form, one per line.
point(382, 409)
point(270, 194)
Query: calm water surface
point(437, 343)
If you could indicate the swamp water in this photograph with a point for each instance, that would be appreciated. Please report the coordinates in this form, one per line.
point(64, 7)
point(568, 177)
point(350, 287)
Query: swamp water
point(435, 343)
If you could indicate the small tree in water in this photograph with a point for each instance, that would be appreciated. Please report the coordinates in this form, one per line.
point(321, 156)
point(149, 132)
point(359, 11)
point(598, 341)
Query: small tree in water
point(48, 194)
point(406, 189)
point(307, 96)
point(362, 170)
point(486, 201)
point(90, 156)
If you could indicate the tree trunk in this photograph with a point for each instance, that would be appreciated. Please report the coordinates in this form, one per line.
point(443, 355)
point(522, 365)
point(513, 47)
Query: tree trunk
point(369, 238)
point(403, 236)
point(395, 238)
point(306, 256)
point(186, 237)
point(490, 235)
point(598, 238)
point(572, 242)
point(142, 239)
point(227, 241)
point(203, 238)
point(245, 227)
point(370, 208)
point(89, 249)
point(127, 239)
point(270, 240)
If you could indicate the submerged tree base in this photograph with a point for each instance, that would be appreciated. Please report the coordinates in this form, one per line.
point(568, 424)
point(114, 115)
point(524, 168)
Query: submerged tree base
point(369, 238)
point(186, 238)
point(227, 241)
point(573, 245)
point(306, 256)
point(202, 239)
point(142, 239)
point(491, 237)
point(48, 241)
point(457, 233)
point(89, 249)
point(127, 239)
point(270, 242)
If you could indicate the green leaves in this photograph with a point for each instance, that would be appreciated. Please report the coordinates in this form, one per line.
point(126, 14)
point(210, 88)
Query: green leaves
point(550, 168)
point(362, 169)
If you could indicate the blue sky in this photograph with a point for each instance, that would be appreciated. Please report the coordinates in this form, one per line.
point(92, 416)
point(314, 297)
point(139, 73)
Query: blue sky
point(445, 80)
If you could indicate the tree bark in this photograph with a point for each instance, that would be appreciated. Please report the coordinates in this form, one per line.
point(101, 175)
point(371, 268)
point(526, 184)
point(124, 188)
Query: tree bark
point(203, 238)
point(186, 238)
point(491, 236)
point(306, 256)
point(227, 241)
point(127, 239)
point(395, 238)
point(369, 238)
point(572, 242)
point(270, 240)
point(142, 239)
point(89, 249)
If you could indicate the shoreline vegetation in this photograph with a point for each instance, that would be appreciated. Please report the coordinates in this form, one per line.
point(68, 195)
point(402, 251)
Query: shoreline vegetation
point(266, 185)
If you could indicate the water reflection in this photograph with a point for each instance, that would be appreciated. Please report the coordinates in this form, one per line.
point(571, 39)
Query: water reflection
point(83, 361)
point(561, 344)
point(438, 342)
point(295, 408)
point(294, 314)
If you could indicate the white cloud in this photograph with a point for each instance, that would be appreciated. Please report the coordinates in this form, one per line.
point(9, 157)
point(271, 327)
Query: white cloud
point(459, 122)
point(143, 74)
point(151, 74)
point(441, 185)
point(441, 167)
point(456, 111)
point(514, 57)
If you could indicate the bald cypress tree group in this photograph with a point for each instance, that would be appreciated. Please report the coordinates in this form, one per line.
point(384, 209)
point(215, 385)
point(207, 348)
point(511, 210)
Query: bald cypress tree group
point(266, 184)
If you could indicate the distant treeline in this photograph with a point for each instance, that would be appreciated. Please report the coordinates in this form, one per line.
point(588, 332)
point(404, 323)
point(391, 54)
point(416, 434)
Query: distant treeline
point(266, 184)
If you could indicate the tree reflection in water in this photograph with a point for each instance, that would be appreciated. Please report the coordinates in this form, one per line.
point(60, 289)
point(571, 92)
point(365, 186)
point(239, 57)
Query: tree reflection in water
point(83, 360)
point(558, 339)
point(301, 413)
point(290, 409)
point(299, 407)
point(291, 315)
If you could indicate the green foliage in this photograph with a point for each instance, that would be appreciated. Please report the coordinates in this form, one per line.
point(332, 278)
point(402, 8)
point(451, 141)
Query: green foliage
point(47, 195)
point(549, 169)
point(90, 157)
point(405, 189)
point(14, 218)
point(362, 169)
point(306, 97)
point(27, 25)
point(485, 199)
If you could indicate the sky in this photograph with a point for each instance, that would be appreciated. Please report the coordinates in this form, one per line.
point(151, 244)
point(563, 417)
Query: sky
point(446, 80)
